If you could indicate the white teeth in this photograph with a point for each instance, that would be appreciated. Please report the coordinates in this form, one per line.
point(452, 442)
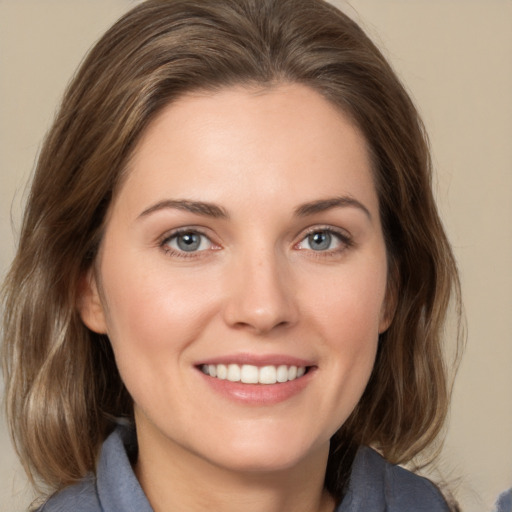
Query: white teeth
point(233, 373)
point(282, 373)
point(250, 374)
point(268, 375)
point(222, 371)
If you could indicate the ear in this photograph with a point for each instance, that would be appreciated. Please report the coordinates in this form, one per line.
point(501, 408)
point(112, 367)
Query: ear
point(390, 301)
point(89, 304)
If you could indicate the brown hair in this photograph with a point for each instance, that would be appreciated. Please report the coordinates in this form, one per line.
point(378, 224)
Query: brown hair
point(63, 390)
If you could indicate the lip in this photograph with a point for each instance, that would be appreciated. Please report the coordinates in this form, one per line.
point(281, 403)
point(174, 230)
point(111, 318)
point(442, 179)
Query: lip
point(258, 394)
point(257, 360)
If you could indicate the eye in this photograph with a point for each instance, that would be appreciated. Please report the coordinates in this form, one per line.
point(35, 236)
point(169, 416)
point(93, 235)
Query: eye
point(187, 241)
point(324, 240)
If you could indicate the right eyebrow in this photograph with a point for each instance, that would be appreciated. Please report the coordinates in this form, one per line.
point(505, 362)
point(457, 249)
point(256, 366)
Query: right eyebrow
point(198, 207)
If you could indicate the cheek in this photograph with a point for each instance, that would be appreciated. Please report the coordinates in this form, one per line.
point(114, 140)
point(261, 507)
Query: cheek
point(353, 353)
point(348, 313)
point(353, 334)
point(152, 320)
point(151, 311)
point(350, 304)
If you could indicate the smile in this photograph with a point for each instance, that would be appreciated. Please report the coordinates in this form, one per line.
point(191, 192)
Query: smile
point(250, 374)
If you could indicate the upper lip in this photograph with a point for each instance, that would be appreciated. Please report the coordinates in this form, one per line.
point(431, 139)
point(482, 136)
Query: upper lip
point(257, 360)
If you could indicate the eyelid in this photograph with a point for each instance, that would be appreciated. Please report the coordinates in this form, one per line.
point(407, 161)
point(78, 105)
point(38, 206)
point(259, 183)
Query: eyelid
point(344, 237)
point(163, 242)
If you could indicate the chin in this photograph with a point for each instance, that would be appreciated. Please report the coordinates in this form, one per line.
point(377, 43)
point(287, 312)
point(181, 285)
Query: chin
point(259, 454)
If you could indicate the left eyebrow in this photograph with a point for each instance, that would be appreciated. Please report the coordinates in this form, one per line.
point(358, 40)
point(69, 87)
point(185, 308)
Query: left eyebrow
point(322, 205)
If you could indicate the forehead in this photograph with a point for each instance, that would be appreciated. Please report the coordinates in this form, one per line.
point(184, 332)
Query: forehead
point(274, 139)
point(291, 108)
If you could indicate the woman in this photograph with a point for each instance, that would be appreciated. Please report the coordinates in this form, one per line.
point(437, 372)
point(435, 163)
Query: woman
point(231, 271)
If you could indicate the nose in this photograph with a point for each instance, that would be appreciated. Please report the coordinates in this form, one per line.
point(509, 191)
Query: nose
point(260, 294)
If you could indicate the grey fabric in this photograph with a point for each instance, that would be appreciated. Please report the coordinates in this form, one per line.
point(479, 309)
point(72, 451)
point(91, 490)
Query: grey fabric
point(504, 503)
point(115, 489)
point(375, 485)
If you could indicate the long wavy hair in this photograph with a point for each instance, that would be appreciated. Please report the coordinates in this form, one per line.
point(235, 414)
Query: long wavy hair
point(63, 390)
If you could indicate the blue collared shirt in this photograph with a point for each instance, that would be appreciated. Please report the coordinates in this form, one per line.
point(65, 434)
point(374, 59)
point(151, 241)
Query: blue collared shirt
point(375, 485)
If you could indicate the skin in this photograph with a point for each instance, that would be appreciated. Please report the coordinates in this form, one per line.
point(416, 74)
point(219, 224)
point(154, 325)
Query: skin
point(256, 286)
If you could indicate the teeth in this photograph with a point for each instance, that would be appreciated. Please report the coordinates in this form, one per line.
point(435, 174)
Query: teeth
point(222, 371)
point(282, 373)
point(249, 374)
point(267, 375)
point(234, 373)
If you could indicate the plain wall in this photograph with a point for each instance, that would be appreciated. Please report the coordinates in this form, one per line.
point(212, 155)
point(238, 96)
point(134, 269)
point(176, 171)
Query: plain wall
point(455, 57)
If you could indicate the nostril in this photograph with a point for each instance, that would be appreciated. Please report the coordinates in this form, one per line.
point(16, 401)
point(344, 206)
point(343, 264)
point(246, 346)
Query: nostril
point(261, 327)
point(259, 300)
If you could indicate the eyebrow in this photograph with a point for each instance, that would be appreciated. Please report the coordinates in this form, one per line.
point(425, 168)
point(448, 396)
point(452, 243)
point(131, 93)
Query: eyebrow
point(326, 204)
point(197, 207)
point(212, 210)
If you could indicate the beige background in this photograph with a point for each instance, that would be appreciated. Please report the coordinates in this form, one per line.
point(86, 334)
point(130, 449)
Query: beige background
point(455, 57)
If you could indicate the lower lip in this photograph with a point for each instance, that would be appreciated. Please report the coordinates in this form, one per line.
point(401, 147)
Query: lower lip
point(258, 394)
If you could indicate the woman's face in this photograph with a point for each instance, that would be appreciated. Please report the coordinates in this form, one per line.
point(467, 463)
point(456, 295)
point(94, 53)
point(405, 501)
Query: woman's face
point(244, 244)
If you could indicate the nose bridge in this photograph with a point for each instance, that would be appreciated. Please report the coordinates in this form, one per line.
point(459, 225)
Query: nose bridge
point(260, 294)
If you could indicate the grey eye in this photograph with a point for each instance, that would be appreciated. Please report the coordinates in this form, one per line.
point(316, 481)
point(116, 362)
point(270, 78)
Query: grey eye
point(320, 240)
point(189, 241)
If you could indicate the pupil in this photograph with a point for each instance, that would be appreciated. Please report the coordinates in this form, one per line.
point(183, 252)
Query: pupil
point(320, 240)
point(188, 242)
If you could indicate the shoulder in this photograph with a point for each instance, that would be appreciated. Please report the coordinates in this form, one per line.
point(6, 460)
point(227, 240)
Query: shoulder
point(504, 503)
point(81, 497)
point(377, 485)
point(114, 488)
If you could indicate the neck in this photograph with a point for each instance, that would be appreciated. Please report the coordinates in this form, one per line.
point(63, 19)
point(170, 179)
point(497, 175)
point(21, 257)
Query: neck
point(175, 479)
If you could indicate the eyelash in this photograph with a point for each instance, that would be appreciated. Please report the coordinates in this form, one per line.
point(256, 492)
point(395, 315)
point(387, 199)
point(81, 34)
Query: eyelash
point(175, 234)
point(343, 238)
